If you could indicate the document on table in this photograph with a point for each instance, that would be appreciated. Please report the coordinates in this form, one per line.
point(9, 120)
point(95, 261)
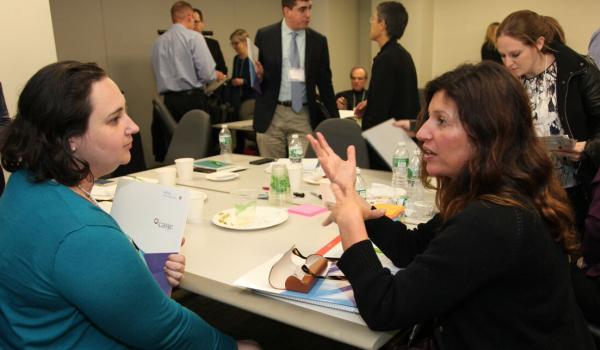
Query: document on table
point(384, 138)
point(154, 217)
point(328, 296)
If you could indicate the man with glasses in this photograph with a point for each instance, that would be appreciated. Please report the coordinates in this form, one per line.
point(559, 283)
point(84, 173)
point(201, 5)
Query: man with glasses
point(350, 98)
point(213, 44)
point(294, 61)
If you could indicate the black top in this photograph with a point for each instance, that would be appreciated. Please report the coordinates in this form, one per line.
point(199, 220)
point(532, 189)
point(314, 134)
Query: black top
point(489, 52)
point(492, 276)
point(352, 97)
point(217, 55)
point(317, 75)
point(393, 89)
point(241, 69)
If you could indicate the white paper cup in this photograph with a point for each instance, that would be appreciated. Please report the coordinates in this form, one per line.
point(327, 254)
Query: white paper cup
point(327, 196)
point(166, 176)
point(185, 168)
point(197, 199)
point(295, 172)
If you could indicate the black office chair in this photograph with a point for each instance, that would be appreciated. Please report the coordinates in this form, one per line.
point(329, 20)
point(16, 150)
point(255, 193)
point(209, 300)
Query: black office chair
point(163, 126)
point(137, 162)
point(246, 112)
point(191, 138)
point(341, 133)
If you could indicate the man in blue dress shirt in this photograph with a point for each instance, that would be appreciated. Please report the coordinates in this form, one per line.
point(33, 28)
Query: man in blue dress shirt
point(183, 65)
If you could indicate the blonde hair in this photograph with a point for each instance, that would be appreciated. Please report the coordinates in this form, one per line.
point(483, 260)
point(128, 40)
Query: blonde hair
point(239, 34)
point(490, 33)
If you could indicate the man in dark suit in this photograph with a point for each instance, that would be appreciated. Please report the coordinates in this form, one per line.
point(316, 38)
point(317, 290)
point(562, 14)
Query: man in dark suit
point(350, 98)
point(293, 62)
point(213, 44)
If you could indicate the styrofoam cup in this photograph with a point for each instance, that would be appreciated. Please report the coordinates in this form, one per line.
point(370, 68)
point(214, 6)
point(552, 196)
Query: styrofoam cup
point(185, 168)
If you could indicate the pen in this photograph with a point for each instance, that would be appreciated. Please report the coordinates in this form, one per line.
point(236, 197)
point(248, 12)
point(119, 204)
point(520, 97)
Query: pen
point(413, 333)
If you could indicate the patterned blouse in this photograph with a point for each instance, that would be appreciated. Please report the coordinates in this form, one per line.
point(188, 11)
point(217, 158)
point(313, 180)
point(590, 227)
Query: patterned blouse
point(542, 97)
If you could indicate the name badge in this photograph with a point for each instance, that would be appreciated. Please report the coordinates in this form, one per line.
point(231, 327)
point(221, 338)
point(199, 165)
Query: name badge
point(296, 74)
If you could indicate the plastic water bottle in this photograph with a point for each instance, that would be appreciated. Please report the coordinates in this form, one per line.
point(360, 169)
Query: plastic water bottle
point(295, 149)
point(360, 186)
point(399, 172)
point(413, 173)
point(225, 143)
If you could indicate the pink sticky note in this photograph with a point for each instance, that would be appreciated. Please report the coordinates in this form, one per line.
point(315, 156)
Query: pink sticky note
point(307, 209)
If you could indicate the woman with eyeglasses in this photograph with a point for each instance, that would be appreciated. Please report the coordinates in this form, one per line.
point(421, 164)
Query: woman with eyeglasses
point(491, 268)
point(240, 78)
point(69, 277)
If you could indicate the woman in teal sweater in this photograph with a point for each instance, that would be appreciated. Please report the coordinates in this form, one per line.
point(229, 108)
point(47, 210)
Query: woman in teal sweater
point(69, 277)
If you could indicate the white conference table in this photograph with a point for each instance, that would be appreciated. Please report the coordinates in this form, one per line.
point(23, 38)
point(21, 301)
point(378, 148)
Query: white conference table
point(216, 257)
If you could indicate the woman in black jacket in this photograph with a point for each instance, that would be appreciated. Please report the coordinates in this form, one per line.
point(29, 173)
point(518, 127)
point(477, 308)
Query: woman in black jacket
point(564, 92)
point(491, 267)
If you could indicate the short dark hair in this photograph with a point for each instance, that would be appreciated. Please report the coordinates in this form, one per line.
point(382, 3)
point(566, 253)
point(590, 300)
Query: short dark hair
point(199, 13)
point(53, 107)
point(288, 3)
point(395, 17)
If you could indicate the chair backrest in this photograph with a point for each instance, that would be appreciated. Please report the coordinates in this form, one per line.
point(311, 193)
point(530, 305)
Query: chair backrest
point(247, 109)
point(341, 133)
point(165, 114)
point(191, 137)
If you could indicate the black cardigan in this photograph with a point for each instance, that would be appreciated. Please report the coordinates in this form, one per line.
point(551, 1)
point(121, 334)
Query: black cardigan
point(393, 89)
point(492, 276)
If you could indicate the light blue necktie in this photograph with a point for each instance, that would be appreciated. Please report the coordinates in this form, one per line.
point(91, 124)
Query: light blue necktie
point(296, 86)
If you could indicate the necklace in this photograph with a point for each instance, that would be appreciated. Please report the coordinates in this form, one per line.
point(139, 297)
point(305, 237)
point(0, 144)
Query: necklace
point(87, 194)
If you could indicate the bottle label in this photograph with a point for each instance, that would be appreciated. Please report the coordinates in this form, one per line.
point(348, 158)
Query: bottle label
point(295, 152)
point(412, 173)
point(225, 139)
point(400, 162)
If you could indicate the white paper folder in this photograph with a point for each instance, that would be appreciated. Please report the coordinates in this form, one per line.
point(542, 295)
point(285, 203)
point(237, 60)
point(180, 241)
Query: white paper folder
point(384, 138)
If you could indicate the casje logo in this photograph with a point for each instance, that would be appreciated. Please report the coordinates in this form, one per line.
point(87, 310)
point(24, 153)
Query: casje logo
point(163, 225)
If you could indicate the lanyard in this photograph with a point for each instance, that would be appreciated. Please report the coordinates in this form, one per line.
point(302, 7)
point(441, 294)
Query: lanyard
point(354, 98)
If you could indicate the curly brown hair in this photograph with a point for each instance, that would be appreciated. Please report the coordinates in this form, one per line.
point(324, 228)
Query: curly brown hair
point(509, 165)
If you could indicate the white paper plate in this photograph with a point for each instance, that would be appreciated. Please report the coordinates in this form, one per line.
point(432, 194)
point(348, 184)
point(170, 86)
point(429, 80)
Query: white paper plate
point(222, 176)
point(310, 179)
point(265, 217)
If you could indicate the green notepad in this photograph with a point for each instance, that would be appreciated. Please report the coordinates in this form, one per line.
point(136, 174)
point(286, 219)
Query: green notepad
point(211, 164)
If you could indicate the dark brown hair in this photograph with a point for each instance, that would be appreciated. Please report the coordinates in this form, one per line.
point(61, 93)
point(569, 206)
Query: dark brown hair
point(527, 27)
point(508, 166)
point(53, 107)
point(395, 17)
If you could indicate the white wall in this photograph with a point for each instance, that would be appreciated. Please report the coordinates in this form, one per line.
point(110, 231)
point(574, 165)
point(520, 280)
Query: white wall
point(27, 44)
point(459, 25)
point(118, 34)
